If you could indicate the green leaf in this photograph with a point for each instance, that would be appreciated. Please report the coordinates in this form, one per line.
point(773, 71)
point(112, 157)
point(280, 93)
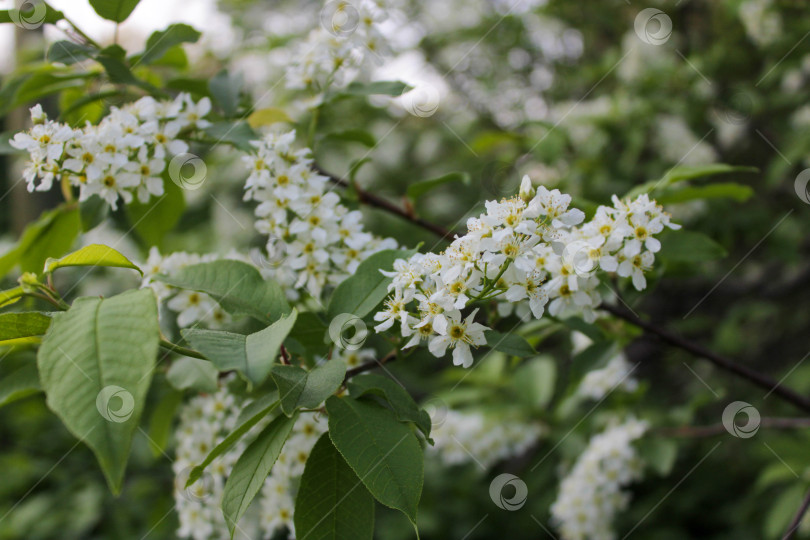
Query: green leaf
point(117, 70)
point(686, 172)
point(50, 236)
point(354, 135)
point(229, 441)
point(114, 10)
point(92, 212)
point(68, 52)
point(95, 364)
point(386, 88)
point(534, 382)
point(689, 246)
point(363, 291)
point(511, 344)
point(300, 388)
point(225, 90)
point(92, 255)
point(161, 421)
point(252, 355)
point(395, 395)
point(238, 287)
point(40, 13)
point(381, 450)
point(725, 190)
point(162, 40)
point(308, 333)
point(659, 453)
point(152, 220)
point(11, 296)
point(19, 382)
point(17, 328)
point(188, 373)
point(238, 133)
point(332, 503)
point(265, 117)
point(252, 468)
point(417, 189)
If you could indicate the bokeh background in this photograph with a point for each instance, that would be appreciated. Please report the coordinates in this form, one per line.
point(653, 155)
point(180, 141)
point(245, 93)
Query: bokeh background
point(579, 96)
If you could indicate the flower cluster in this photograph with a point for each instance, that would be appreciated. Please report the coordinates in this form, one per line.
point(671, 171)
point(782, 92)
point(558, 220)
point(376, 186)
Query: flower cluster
point(313, 239)
point(591, 494)
point(124, 155)
point(348, 39)
point(192, 307)
point(470, 435)
point(204, 422)
point(525, 252)
point(615, 375)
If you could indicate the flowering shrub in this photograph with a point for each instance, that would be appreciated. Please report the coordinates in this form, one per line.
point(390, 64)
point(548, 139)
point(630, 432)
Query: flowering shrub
point(264, 246)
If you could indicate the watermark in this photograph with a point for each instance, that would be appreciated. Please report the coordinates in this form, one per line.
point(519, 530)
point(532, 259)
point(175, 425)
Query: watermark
point(271, 257)
point(437, 409)
point(422, 100)
point(348, 331)
point(577, 255)
point(115, 404)
point(518, 498)
point(802, 186)
point(30, 16)
point(500, 179)
point(188, 171)
point(339, 18)
point(653, 26)
point(751, 426)
point(738, 108)
point(199, 491)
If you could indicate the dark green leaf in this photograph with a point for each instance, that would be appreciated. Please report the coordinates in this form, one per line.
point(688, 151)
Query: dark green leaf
point(225, 90)
point(395, 395)
point(19, 382)
point(332, 503)
point(237, 133)
point(50, 236)
point(725, 190)
point(16, 326)
point(364, 290)
point(686, 172)
point(382, 451)
point(152, 220)
point(417, 189)
point(114, 10)
point(689, 246)
point(354, 135)
point(252, 468)
point(92, 212)
point(161, 41)
point(69, 52)
point(511, 344)
point(386, 88)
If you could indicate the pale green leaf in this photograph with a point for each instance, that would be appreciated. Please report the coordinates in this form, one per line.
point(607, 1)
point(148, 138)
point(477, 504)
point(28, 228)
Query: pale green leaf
point(92, 255)
point(95, 364)
point(16, 326)
point(188, 373)
point(300, 388)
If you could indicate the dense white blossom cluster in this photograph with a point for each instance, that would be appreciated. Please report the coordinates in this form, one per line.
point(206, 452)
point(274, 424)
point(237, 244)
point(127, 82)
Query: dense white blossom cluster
point(121, 157)
point(591, 494)
point(676, 142)
point(191, 307)
point(204, 422)
point(526, 252)
point(464, 436)
point(615, 375)
point(762, 22)
point(313, 239)
point(348, 40)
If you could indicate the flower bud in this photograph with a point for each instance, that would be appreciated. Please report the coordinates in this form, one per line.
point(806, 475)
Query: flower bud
point(526, 189)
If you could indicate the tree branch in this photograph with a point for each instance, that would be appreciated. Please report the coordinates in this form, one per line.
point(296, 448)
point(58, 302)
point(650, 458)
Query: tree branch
point(371, 364)
point(794, 525)
point(378, 202)
point(727, 364)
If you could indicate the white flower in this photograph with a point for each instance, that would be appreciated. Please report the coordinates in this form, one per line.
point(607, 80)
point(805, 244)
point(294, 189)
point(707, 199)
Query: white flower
point(458, 335)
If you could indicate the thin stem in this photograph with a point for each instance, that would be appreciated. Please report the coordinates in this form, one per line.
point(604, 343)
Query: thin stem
point(794, 525)
point(168, 345)
point(720, 429)
point(494, 283)
point(285, 358)
point(378, 202)
point(726, 364)
point(371, 364)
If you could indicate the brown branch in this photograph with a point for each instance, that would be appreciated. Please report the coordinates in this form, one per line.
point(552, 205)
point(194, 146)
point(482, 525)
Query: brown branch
point(720, 429)
point(794, 525)
point(371, 364)
point(376, 201)
point(758, 379)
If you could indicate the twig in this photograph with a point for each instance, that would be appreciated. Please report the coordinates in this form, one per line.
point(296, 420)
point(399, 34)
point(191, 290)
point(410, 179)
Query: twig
point(758, 379)
point(794, 525)
point(371, 364)
point(719, 429)
point(168, 345)
point(378, 202)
